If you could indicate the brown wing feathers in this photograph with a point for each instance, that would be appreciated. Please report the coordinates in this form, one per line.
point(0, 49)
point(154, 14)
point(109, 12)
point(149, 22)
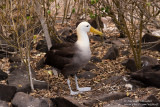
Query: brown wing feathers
point(60, 55)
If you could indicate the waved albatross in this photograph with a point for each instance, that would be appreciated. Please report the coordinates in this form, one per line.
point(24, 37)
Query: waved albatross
point(69, 58)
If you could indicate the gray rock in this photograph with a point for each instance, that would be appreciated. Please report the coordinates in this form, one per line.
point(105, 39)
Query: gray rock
point(145, 61)
point(149, 75)
point(42, 46)
point(19, 78)
point(148, 38)
point(14, 66)
point(114, 105)
point(3, 75)
point(87, 75)
point(15, 58)
point(126, 52)
point(113, 80)
point(112, 53)
point(117, 43)
point(125, 102)
point(128, 102)
point(148, 61)
point(150, 101)
point(65, 102)
point(7, 92)
point(130, 64)
point(137, 84)
point(90, 66)
point(105, 97)
point(4, 54)
point(95, 59)
point(3, 104)
point(24, 100)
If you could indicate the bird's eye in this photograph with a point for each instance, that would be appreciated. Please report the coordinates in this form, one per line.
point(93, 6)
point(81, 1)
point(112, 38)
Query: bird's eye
point(87, 26)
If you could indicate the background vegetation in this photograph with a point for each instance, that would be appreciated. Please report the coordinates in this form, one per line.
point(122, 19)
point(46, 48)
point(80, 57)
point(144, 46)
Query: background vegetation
point(22, 20)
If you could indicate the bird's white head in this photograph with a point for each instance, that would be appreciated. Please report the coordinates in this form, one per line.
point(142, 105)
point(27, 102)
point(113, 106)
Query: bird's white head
point(82, 30)
point(84, 27)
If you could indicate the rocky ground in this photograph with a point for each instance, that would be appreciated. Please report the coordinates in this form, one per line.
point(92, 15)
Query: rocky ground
point(108, 74)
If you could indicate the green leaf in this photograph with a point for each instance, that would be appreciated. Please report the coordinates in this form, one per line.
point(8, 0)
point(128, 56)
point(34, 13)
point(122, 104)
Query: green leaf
point(50, 72)
point(127, 93)
point(84, 9)
point(3, 6)
point(92, 16)
point(57, 6)
point(34, 36)
point(73, 10)
point(15, 66)
point(48, 11)
point(92, 2)
point(102, 8)
point(107, 9)
point(96, 1)
point(148, 3)
point(28, 17)
point(95, 15)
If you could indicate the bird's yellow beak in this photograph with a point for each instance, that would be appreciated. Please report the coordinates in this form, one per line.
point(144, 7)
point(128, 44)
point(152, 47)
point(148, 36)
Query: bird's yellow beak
point(95, 31)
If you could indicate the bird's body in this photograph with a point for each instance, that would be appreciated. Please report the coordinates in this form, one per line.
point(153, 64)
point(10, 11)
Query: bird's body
point(69, 58)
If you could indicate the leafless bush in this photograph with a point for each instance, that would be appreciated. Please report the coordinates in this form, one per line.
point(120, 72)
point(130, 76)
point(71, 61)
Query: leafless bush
point(20, 18)
point(133, 17)
point(18, 22)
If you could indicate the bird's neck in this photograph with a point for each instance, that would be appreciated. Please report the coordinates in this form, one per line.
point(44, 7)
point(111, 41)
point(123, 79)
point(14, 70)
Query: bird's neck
point(83, 40)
